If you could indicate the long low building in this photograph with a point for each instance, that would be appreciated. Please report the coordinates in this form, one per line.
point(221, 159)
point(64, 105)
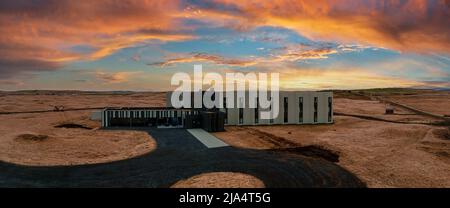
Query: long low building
point(152, 116)
point(294, 108)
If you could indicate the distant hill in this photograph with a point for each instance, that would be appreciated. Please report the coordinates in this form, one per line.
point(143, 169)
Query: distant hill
point(69, 92)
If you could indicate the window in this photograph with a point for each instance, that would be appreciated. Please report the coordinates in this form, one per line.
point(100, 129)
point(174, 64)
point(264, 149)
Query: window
point(285, 110)
point(300, 109)
point(330, 109)
point(257, 111)
point(226, 110)
point(213, 98)
point(241, 115)
point(270, 109)
point(315, 109)
point(241, 111)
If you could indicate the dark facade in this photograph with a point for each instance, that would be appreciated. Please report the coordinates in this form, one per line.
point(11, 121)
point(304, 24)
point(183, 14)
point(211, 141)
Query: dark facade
point(163, 117)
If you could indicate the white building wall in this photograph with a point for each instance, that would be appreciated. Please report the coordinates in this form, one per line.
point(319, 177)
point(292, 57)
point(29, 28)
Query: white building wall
point(293, 109)
point(323, 109)
point(233, 116)
point(308, 108)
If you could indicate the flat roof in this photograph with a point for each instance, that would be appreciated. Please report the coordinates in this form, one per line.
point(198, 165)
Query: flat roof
point(146, 108)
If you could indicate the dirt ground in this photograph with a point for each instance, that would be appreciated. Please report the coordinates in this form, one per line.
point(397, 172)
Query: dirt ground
point(35, 138)
point(433, 101)
point(46, 100)
point(220, 180)
point(438, 103)
point(374, 108)
point(382, 154)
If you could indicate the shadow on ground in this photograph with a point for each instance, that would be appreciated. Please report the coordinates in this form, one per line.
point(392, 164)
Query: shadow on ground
point(179, 156)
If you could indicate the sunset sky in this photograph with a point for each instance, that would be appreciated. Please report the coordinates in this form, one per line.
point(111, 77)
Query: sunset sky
point(138, 45)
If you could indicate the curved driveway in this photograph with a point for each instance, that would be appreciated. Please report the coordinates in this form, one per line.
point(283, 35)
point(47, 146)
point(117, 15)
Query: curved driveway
point(178, 156)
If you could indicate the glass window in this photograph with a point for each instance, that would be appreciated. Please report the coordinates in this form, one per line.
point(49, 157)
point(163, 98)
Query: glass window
point(315, 109)
point(241, 115)
point(330, 109)
point(226, 110)
point(270, 109)
point(285, 110)
point(300, 109)
point(257, 111)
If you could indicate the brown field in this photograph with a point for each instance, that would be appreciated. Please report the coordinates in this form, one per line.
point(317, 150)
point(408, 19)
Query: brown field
point(438, 103)
point(220, 180)
point(47, 100)
point(34, 139)
point(381, 153)
point(401, 150)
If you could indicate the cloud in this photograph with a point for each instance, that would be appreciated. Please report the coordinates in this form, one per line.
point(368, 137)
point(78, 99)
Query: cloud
point(410, 25)
point(301, 54)
point(16, 83)
point(10, 68)
point(318, 79)
point(354, 47)
point(46, 32)
point(114, 77)
point(202, 57)
point(435, 84)
point(112, 45)
point(136, 57)
point(46, 35)
point(80, 80)
point(287, 54)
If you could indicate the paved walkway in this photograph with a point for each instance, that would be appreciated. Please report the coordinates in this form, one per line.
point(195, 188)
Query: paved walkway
point(179, 155)
point(206, 138)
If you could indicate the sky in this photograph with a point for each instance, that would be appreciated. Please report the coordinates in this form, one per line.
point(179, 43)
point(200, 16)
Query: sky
point(140, 44)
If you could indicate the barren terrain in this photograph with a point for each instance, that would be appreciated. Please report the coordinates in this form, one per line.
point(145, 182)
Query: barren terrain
point(67, 137)
point(47, 100)
point(438, 103)
point(433, 101)
point(220, 180)
point(398, 150)
point(381, 153)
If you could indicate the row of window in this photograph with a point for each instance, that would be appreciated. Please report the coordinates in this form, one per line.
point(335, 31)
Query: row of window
point(145, 114)
point(286, 111)
point(300, 109)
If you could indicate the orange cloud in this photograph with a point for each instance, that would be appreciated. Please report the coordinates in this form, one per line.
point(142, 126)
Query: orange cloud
point(112, 45)
point(114, 77)
point(414, 25)
point(295, 55)
point(339, 79)
point(38, 36)
point(288, 55)
point(202, 57)
point(46, 32)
